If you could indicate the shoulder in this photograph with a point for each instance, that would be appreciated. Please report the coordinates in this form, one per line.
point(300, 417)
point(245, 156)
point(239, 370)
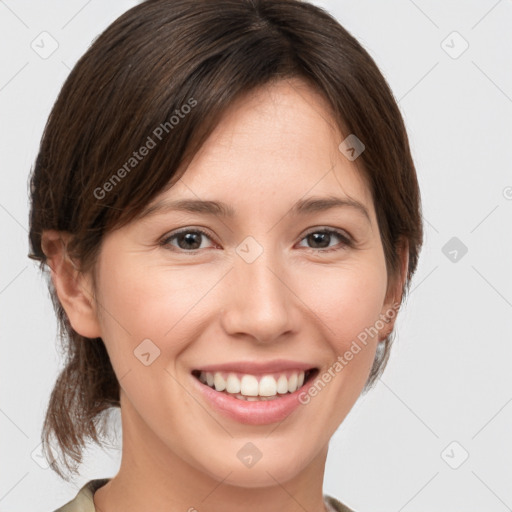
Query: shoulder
point(335, 505)
point(83, 501)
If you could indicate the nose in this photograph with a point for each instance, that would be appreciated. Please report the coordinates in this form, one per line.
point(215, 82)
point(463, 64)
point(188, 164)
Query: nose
point(259, 302)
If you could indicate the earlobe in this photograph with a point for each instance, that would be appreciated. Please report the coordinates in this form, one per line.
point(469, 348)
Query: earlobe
point(74, 289)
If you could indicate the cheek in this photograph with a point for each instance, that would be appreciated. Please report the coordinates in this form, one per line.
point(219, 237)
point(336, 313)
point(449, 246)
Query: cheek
point(347, 300)
point(139, 302)
point(345, 303)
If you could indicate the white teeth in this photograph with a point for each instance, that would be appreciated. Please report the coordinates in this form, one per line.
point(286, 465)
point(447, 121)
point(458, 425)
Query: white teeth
point(218, 381)
point(249, 388)
point(256, 398)
point(233, 384)
point(249, 385)
point(282, 384)
point(268, 386)
point(292, 383)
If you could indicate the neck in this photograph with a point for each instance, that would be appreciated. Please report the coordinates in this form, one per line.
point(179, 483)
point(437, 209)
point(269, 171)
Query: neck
point(153, 477)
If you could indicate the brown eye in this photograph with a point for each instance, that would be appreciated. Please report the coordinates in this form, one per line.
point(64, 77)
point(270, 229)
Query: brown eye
point(321, 239)
point(186, 239)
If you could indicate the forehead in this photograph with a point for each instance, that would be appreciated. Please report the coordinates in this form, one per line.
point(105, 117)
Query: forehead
point(273, 147)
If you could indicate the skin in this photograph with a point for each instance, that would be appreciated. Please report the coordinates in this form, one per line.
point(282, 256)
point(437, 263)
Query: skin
point(295, 301)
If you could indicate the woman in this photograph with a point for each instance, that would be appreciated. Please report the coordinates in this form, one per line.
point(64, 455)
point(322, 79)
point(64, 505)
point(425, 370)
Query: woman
point(227, 203)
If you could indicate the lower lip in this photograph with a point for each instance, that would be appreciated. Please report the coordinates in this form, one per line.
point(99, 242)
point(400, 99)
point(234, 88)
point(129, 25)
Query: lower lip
point(253, 413)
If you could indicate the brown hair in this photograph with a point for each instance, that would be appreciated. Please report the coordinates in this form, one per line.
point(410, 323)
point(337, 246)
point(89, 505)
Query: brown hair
point(154, 60)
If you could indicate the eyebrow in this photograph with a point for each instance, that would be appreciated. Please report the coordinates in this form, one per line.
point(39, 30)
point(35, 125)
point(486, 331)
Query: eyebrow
point(220, 209)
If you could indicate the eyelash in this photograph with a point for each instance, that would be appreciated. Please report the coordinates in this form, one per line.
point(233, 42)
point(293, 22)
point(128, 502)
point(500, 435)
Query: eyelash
point(346, 241)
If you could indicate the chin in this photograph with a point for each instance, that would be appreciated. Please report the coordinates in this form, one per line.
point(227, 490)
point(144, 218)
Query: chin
point(274, 466)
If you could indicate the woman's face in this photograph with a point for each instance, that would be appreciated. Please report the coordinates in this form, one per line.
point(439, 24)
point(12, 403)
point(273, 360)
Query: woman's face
point(270, 291)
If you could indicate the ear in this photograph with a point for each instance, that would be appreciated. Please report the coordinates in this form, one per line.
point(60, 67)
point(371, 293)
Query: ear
point(394, 293)
point(74, 289)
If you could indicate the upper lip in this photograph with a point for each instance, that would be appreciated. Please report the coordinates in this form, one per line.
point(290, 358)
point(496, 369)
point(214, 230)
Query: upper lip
point(254, 367)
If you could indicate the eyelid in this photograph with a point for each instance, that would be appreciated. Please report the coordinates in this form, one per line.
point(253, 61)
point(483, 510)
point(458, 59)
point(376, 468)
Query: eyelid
point(339, 231)
point(347, 239)
point(163, 241)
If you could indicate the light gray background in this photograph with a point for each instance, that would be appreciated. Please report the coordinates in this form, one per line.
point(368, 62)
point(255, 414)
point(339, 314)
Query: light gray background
point(447, 391)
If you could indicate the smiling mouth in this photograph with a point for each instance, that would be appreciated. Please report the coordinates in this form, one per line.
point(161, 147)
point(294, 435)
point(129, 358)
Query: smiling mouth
point(249, 387)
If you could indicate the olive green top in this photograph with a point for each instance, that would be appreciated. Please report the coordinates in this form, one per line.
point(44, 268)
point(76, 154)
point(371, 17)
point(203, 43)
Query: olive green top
point(83, 501)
